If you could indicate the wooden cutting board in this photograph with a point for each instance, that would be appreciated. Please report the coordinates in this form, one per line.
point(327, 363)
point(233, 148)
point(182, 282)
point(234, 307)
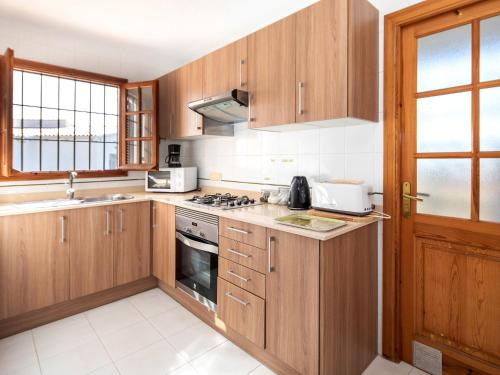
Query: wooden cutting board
point(333, 215)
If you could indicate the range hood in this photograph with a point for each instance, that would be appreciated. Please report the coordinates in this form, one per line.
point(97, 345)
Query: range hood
point(228, 108)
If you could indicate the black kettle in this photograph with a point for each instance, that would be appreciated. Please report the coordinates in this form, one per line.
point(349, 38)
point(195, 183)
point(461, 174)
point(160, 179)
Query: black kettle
point(300, 195)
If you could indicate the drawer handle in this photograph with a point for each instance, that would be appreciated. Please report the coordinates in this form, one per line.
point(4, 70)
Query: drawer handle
point(238, 253)
point(238, 230)
point(229, 272)
point(240, 301)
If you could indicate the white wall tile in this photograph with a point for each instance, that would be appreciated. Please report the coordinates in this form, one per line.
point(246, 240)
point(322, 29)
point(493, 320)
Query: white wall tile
point(308, 141)
point(332, 140)
point(308, 165)
point(359, 167)
point(358, 139)
point(331, 167)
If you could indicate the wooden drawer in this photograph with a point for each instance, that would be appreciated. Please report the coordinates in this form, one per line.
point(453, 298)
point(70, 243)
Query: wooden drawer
point(250, 280)
point(241, 311)
point(246, 255)
point(243, 232)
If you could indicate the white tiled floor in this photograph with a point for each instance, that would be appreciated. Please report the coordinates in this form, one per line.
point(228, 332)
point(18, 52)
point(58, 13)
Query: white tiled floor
point(146, 334)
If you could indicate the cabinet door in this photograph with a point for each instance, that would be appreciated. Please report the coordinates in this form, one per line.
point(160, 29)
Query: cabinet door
point(166, 105)
point(225, 69)
point(292, 301)
point(163, 217)
point(34, 262)
point(322, 54)
point(132, 246)
point(189, 88)
point(271, 74)
point(91, 250)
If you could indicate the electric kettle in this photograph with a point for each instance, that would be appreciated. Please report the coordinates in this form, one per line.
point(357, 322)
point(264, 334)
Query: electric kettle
point(300, 195)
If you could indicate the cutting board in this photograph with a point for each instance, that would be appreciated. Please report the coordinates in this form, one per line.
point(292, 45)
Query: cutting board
point(333, 215)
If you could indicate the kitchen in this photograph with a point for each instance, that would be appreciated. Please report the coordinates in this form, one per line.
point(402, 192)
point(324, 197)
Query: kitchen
point(233, 194)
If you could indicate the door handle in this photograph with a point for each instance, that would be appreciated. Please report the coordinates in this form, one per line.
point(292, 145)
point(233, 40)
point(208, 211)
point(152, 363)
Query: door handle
point(407, 198)
point(232, 273)
point(240, 301)
point(301, 88)
point(412, 197)
point(242, 62)
point(270, 267)
point(121, 220)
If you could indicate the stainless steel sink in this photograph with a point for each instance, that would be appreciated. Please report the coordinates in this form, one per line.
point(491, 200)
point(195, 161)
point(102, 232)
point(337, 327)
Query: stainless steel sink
point(72, 202)
point(106, 198)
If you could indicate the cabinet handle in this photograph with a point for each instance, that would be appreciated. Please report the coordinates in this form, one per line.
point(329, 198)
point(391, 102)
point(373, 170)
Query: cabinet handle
point(229, 272)
point(270, 267)
point(240, 301)
point(63, 228)
point(121, 220)
point(242, 62)
point(154, 216)
point(238, 230)
point(301, 88)
point(108, 231)
point(170, 125)
point(238, 253)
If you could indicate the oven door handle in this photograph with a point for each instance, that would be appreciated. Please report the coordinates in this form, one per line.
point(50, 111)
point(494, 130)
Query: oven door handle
point(197, 245)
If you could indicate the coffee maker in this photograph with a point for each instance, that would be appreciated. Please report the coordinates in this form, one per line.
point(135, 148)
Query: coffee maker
point(173, 159)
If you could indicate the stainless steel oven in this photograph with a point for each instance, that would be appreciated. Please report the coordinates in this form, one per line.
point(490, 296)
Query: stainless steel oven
point(197, 255)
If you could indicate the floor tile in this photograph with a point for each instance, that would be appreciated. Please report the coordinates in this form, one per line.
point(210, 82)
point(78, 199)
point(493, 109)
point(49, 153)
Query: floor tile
point(80, 360)
point(187, 369)
point(195, 341)
point(226, 359)
point(381, 366)
point(17, 352)
point(106, 370)
point(30, 370)
point(262, 370)
point(173, 321)
point(130, 339)
point(156, 359)
point(416, 371)
point(62, 335)
point(153, 302)
point(112, 317)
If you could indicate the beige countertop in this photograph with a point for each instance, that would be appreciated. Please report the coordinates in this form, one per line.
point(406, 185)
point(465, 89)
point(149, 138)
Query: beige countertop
point(263, 214)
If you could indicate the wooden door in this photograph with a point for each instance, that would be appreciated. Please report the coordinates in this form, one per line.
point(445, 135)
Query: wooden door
point(189, 88)
point(34, 262)
point(138, 126)
point(322, 60)
point(450, 255)
point(271, 74)
point(132, 249)
point(225, 69)
point(292, 301)
point(166, 105)
point(163, 224)
point(91, 250)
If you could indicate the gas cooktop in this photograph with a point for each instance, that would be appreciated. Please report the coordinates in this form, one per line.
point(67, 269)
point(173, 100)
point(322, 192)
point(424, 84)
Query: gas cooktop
point(223, 201)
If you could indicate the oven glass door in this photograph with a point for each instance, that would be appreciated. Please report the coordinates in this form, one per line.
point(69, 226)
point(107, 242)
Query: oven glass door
point(160, 180)
point(197, 265)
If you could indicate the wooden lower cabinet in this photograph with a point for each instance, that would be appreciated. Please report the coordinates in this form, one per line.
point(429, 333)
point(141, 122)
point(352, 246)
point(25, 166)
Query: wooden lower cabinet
point(163, 217)
point(91, 250)
point(132, 250)
point(34, 262)
point(242, 311)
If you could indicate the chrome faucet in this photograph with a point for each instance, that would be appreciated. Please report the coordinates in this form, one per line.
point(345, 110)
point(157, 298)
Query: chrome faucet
point(70, 192)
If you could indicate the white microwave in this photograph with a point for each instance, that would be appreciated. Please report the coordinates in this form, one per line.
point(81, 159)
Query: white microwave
point(172, 180)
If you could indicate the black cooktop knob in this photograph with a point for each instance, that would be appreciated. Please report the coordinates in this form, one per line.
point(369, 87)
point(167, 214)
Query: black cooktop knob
point(252, 201)
point(231, 204)
point(238, 203)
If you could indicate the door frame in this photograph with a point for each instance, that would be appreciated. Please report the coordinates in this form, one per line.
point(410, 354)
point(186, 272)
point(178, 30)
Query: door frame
point(393, 131)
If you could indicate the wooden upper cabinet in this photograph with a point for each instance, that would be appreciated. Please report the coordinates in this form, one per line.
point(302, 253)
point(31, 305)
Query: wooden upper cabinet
point(34, 262)
point(225, 69)
point(138, 127)
point(271, 74)
point(91, 250)
point(166, 105)
point(163, 224)
point(188, 89)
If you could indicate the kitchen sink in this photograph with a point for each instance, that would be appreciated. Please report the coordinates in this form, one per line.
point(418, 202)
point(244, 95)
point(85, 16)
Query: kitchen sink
point(72, 202)
point(106, 198)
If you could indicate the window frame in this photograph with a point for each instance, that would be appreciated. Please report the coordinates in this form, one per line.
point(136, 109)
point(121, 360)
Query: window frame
point(7, 173)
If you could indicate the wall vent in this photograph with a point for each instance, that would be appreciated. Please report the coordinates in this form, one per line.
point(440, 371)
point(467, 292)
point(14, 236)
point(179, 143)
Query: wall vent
point(427, 358)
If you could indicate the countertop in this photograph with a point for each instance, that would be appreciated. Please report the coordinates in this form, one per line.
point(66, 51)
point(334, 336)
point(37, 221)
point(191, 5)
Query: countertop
point(263, 214)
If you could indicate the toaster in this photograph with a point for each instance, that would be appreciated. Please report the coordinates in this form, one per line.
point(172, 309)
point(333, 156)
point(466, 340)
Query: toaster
point(351, 199)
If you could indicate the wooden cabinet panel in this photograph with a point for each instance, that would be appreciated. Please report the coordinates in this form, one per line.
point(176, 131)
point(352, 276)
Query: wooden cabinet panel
point(249, 256)
point(34, 262)
point(250, 280)
point(188, 88)
point(132, 250)
point(163, 225)
point(225, 69)
point(250, 234)
point(292, 301)
point(91, 250)
point(242, 311)
point(271, 74)
point(322, 61)
point(167, 105)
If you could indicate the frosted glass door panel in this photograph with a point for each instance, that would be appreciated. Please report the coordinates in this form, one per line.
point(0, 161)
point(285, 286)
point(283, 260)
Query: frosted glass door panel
point(490, 49)
point(489, 198)
point(444, 59)
point(444, 123)
point(448, 185)
point(490, 119)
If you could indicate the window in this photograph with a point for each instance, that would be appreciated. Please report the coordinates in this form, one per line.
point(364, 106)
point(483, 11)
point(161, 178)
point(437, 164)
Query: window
point(62, 124)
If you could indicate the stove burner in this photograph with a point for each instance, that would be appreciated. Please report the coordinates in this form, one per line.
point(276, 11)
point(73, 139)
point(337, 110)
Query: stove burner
point(222, 201)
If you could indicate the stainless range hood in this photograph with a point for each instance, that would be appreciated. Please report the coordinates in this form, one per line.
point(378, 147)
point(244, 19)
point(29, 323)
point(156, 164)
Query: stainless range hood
point(228, 108)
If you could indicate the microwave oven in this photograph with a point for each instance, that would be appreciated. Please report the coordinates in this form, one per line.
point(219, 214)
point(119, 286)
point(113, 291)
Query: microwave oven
point(172, 180)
